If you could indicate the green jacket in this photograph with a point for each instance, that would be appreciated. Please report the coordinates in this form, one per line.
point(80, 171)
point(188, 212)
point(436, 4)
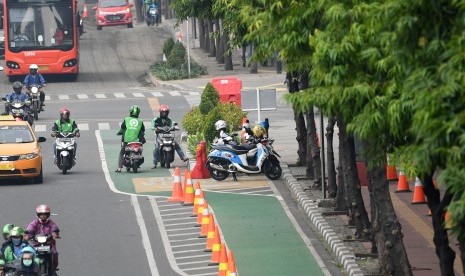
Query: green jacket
point(132, 130)
point(66, 127)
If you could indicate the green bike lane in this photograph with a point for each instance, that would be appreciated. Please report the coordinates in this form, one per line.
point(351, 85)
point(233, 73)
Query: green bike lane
point(256, 228)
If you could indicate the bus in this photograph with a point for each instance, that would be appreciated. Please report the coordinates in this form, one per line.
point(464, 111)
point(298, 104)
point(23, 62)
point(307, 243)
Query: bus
point(42, 32)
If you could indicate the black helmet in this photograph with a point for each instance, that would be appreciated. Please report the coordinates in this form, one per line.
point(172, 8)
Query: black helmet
point(17, 87)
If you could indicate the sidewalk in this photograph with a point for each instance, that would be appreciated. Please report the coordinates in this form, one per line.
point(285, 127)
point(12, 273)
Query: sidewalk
point(352, 255)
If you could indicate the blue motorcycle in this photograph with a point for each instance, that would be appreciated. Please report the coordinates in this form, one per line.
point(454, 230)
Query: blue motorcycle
point(226, 159)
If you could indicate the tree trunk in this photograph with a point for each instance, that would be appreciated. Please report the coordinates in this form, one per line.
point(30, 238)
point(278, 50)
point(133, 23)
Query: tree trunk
point(140, 16)
point(392, 257)
point(201, 25)
point(313, 146)
point(211, 32)
point(445, 254)
point(356, 206)
point(219, 48)
point(462, 251)
point(254, 68)
point(341, 202)
point(244, 53)
point(207, 36)
point(332, 187)
point(228, 64)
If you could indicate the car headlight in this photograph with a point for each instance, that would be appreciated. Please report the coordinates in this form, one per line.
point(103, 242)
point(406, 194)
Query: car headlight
point(128, 10)
point(28, 156)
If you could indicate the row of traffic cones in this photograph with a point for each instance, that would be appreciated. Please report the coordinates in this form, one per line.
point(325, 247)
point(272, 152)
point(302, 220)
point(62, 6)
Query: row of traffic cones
point(187, 195)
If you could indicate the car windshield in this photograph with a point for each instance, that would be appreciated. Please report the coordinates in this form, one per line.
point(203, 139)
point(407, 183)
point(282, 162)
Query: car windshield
point(112, 3)
point(15, 134)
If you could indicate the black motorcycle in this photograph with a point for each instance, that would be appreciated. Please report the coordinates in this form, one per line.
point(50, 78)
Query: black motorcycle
point(33, 92)
point(152, 16)
point(132, 158)
point(166, 142)
point(43, 246)
point(20, 110)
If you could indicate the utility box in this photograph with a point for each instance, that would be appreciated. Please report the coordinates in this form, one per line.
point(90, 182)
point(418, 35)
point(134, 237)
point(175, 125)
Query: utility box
point(229, 89)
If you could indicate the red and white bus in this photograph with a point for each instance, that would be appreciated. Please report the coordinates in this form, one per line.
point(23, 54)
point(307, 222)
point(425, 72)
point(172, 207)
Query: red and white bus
point(42, 32)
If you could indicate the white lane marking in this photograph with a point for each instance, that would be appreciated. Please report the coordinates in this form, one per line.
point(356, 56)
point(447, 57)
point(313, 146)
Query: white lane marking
point(177, 235)
point(103, 126)
point(207, 274)
point(299, 230)
point(157, 94)
point(191, 218)
point(82, 96)
point(220, 192)
point(199, 268)
point(183, 240)
point(194, 93)
point(198, 262)
point(207, 254)
point(138, 95)
point(40, 128)
point(47, 97)
point(120, 95)
point(83, 126)
point(185, 245)
point(145, 236)
point(185, 251)
point(175, 93)
point(100, 96)
point(182, 223)
point(183, 213)
point(174, 209)
point(165, 239)
point(63, 97)
point(195, 230)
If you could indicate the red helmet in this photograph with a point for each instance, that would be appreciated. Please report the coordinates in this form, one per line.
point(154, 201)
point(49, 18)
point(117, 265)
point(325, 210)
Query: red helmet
point(64, 111)
point(43, 209)
point(164, 111)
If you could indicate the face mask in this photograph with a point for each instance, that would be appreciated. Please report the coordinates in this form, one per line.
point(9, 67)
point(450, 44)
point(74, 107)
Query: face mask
point(27, 262)
point(16, 241)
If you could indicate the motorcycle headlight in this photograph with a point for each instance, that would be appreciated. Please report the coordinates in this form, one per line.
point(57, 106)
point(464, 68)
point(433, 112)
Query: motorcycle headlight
point(28, 156)
point(41, 239)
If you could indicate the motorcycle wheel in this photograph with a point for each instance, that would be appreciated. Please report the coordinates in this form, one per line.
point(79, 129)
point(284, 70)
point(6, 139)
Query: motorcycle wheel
point(128, 169)
point(135, 168)
point(36, 111)
point(40, 178)
point(216, 174)
point(64, 160)
point(50, 271)
point(272, 171)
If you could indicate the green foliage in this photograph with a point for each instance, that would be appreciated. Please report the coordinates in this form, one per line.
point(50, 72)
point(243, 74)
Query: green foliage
point(232, 114)
point(210, 98)
point(209, 132)
point(168, 46)
point(192, 142)
point(193, 121)
point(177, 56)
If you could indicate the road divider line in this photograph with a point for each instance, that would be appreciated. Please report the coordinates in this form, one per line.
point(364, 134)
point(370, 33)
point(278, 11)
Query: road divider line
point(201, 268)
point(183, 240)
point(191, 244)
point(145, 237)
point(194, 256)
point(174, 209)
point(220, 192)
point(176, 224)
point(198, 262)
point(177, 235)
point(176, 214)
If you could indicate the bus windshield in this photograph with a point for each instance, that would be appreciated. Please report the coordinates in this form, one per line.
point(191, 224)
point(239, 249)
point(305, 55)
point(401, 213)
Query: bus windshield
point(112, 3)
point(40, 27)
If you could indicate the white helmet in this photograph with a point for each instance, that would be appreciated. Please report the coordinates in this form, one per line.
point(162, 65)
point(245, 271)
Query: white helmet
point(34, 66)
point(220, 124)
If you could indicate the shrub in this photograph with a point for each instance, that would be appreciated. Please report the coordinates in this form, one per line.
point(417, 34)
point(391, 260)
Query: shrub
point(193, 121)
point(232, 114)
point(162, 71)
point(192, 141)
point(209, 100)
point(167, 46)
point(209, 131)
point(177, 56)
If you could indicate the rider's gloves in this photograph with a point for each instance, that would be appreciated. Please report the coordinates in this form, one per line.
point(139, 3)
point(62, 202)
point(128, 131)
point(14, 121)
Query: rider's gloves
point(77, 134)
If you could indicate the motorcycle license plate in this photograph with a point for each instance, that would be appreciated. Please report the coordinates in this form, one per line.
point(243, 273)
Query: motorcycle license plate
point(7, 166)
point(43, 248)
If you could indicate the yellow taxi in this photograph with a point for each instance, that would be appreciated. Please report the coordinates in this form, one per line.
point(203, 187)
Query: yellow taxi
point(20, 155)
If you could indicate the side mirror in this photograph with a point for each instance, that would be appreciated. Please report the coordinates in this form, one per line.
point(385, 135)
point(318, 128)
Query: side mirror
point(94, 8)
point(3, 99)
point(175, 124)
point(41, 139)
point(131, 5)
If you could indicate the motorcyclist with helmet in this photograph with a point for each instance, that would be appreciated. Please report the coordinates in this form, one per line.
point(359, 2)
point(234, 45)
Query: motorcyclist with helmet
point(28, 264)
point(17, 95)
point(15, 245)
point(6, 237)
point(34, 78)
point(132, 129)
point(45, 226)
point(223, 137)
point(65, 125)
point(159, 122)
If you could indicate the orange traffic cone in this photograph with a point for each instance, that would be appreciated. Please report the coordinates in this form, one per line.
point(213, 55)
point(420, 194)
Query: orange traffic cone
point(177, 195)
point(418, 194)
point(205, 222)
point(211, 234)
point(197, 172)
point(402, 184)
point(85, 13)
point(200, 210)
point(205, 172)
point(231, 265)
point(198, 193)
point(391, 173)
point(216, 248)
point(223, 267)
point(189, 191)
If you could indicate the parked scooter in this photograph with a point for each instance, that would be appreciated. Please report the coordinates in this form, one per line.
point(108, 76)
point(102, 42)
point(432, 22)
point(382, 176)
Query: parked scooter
point(34, 95)
point(166, 139)
point(65, 151)
point(43, 246)
point(20, 110)
point(132, 158)
point(227, 159)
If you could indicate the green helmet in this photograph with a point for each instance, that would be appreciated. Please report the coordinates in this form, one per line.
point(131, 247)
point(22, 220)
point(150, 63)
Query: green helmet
point(7, 228)
point(17, 231)
point(134, 111)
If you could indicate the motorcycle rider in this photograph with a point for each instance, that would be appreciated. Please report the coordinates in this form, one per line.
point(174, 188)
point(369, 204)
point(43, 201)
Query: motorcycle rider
point(132, 129)
point(44, 225)
point(34, 78)
point(6, 236)
point(223, 136)
point(152, 4)
point(162, 121)
point(27, 265)
point(65, 125)
point(17, 95)
point(15, 245)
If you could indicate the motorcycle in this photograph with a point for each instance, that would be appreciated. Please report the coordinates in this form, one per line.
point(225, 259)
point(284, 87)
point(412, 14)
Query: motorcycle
point(227, 159)
point(65, 151)
point(152, 15)
point(36, 104)
point(43, 246)
point(132, 158)
point(19, 110)
point(166, 141)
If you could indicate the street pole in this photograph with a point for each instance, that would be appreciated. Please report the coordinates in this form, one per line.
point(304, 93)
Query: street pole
point(323, 169)
point(258, 105)
point(188, 51)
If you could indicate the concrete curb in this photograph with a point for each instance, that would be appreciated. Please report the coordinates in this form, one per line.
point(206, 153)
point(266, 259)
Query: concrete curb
point(344, 255)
